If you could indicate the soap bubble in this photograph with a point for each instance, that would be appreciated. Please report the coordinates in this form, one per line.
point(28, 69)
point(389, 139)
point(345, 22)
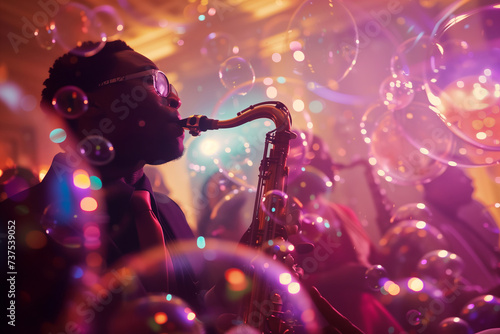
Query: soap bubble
point(440, 266)
point(45, 37)
point(375, 277)
point(323, 37)
point(236, 268)
point(96, 150)
point(404, 244)
point(64, 223)
point(414, 317)
point(412, 211)
point(217, 47)
point(396, 92)
point(416, 59)
point(108, 21)
point(236, 73)
point(417, 304)
point(423, 126)
point(454, 325)
point(482, 312)
point(70, 102)
point(466, 89)
point(75, 24)
point(397, 160)
point(155, 314)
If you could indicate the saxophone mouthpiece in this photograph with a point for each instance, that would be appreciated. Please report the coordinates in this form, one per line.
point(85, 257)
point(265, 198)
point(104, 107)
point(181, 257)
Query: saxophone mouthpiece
point(197, 123)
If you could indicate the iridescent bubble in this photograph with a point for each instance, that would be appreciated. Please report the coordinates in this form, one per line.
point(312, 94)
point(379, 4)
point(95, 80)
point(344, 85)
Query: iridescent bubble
point(397, 160)
point(375, 277)
point(45, 37)
point(466, 89)
point(416, 60)
point(108, 21)
point(440, 266)
point(273, 204)
point(412, 211)
point(217, 47)
point(423, 126)
point(57, 135)
point(371, 119)
point(417, 304)
point(482, 312)
point(64, 223)
point(155, 314)
point(96, 150)
point(414, 317)
point(236, 73)
point(75, 24)
point(404, 244)
point(454, 325)
point(70, 102)
point(323, 38)
point(396, 92)
point(219, 261)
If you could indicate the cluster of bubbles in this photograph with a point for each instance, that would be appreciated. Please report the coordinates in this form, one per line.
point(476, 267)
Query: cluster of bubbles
point(420, 281)
point(72, 24)
point(226, 264)
point(440, 105)
point(71, 102)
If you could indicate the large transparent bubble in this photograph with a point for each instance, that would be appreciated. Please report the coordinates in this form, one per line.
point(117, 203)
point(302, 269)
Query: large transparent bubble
point(96, 150)
point(440, 266)
point(75, 24)
point(228, 275)
point(323, 39)
point(454, 325)
point(405, 243)
point(237, 73)
point(108, 21)
point(70, 102)
point(423, 126)
point(417, 304)
point(415, 60)
point(466, 86)
point(411, 211)
point(482, 312)
point(397, 160)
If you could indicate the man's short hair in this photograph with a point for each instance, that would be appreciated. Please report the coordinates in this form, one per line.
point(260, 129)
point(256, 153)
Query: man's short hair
point(83, 72)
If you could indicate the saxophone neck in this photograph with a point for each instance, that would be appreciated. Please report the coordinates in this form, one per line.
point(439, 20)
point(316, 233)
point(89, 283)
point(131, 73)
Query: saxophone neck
point(273, 110)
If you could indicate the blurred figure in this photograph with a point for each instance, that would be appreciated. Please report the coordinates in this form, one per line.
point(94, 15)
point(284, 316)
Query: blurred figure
point(465, 223)
point(225, 210)
point(343, 252)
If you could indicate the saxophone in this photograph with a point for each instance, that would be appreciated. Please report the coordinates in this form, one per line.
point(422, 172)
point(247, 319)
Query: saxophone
point(270, 208)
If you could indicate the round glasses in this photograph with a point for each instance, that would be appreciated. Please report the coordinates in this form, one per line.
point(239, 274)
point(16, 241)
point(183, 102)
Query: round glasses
point(160, 81)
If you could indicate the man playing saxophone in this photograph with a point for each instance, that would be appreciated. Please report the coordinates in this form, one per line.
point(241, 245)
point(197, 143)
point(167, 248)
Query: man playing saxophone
point(120, 112)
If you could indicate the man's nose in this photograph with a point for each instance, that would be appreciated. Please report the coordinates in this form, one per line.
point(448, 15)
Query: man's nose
point(173, 100)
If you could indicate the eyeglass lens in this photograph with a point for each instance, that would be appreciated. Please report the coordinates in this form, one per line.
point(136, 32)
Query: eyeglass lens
point(162, 84)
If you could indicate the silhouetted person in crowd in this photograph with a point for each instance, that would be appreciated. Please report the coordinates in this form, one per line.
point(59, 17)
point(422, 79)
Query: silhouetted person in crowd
point(470, 230)
point(342, 252)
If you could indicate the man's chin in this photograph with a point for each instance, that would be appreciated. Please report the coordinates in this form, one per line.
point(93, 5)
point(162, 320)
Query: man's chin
point(164, 160)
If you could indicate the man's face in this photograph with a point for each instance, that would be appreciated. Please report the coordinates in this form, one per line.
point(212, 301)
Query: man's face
point(141, 124)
